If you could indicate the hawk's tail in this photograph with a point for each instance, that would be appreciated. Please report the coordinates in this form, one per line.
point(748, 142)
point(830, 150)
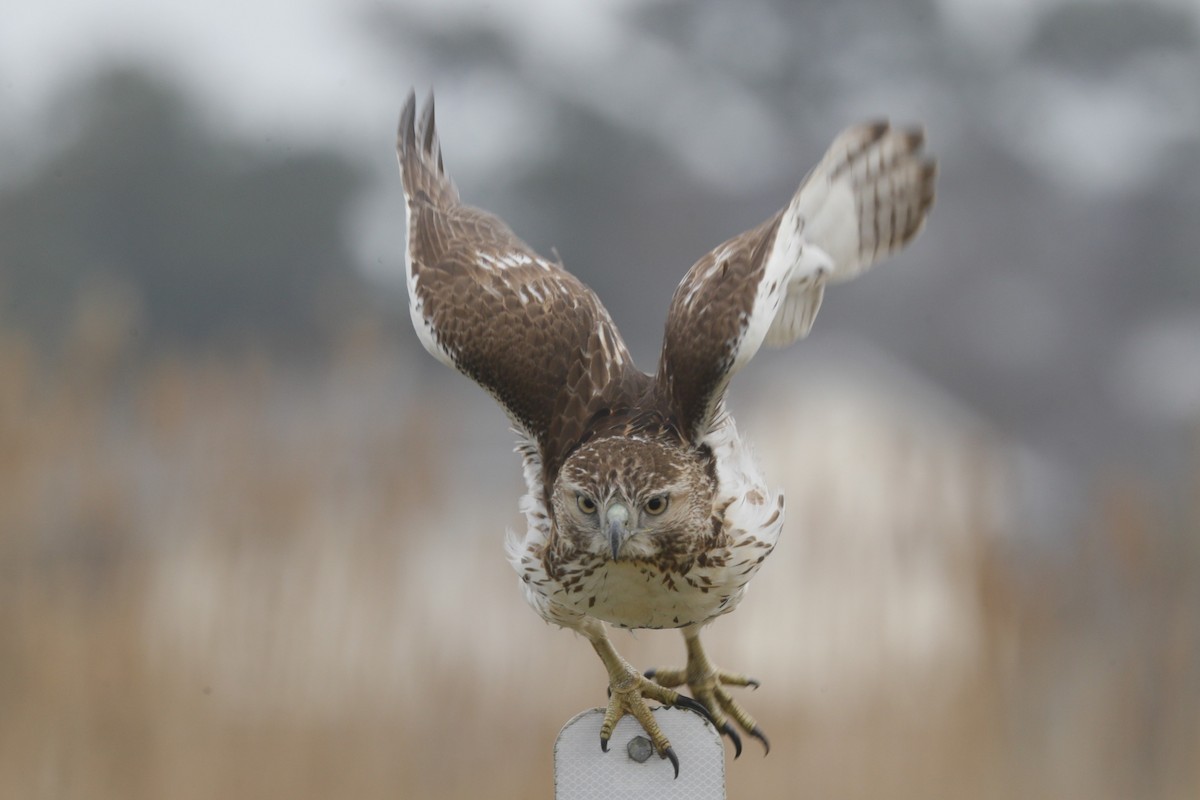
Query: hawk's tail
point(420, 156)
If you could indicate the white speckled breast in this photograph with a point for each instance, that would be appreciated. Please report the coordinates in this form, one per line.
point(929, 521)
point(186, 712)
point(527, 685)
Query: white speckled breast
point(637, 594)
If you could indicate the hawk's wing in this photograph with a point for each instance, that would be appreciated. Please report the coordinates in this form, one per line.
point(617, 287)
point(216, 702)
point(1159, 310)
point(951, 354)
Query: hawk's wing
point(482, 301)
point(866, 199)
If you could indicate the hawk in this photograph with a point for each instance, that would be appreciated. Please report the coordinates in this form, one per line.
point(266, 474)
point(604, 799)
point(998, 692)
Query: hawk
point(645, 508)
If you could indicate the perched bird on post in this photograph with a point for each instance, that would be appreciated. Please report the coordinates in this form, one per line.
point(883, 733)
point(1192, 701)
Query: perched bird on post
point(644, 507)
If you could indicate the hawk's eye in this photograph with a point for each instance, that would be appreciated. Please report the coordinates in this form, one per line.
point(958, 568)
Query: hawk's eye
point(656, 505)
point(586, 504)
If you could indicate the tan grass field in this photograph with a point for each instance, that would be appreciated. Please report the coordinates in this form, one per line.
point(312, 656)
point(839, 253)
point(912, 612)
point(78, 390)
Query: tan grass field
point(220, 579)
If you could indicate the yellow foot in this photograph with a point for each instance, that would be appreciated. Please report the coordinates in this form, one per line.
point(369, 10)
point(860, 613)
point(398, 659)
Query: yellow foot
point(707, 683)
point(627, 695)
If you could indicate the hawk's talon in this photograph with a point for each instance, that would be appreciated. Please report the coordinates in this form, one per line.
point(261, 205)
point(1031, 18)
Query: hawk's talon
point(735, 679)
point(762, 737)
point(684, 701)
point(707, 684)
point(604, 743)
point(670, 753)
point(729, 731)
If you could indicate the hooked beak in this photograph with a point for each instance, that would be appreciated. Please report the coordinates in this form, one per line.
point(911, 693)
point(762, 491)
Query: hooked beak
point(616, 517)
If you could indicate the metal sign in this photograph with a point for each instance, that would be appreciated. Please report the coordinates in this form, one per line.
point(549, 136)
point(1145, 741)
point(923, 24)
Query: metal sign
point(631, 768)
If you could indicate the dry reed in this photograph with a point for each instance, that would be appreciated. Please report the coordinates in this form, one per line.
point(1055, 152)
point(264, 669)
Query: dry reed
point(219, 578)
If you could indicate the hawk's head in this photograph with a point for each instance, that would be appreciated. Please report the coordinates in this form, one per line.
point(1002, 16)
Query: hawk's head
point(630, 497)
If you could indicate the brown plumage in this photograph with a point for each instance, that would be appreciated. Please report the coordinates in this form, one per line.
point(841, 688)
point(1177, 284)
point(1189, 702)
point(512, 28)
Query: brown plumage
point(644, 509)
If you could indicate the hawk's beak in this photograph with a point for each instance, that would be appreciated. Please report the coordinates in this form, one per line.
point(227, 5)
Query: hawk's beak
point(616, 516)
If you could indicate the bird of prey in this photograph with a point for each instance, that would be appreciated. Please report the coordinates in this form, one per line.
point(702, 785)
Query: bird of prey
point(645, 509)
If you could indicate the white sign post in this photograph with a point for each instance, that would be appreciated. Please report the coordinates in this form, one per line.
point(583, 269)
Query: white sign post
point(631, 769)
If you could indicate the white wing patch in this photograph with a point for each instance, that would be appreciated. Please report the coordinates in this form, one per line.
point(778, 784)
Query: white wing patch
point(767, 302)
point(504, 261)
point(797, 313)
point(865, 200)
point(804, 267)
point(530, 292)
point(416, 308)
point(613, 354)
point(830, 218)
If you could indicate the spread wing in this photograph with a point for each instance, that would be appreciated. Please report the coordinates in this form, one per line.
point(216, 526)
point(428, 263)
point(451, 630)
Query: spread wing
point(866, 199)
point(482, 301)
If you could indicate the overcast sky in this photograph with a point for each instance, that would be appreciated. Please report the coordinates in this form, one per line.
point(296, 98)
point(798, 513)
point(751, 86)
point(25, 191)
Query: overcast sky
point(266, 65)
point(315, 71)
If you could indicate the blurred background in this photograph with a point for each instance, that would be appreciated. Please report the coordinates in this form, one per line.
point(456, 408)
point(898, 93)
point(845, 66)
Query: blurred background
point(251, 535)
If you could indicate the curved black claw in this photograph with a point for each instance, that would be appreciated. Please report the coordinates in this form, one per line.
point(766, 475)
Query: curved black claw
point(670, 753)
point(604, 744)
point(693, 705)
point(650, 673)
point(762, 737)
point(753, 683)
point(728, 730)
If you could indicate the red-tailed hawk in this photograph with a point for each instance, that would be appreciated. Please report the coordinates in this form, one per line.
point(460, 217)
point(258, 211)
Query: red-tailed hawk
point(645, 509)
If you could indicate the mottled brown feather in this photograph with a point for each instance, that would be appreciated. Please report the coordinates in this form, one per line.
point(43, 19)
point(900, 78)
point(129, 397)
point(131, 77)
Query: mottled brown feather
point(530, 333)
point(866, 199)
point(707, 319)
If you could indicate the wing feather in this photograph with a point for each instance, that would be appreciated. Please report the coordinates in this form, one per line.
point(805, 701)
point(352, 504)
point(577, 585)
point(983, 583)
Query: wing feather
point(866, 199)
point(482, 301)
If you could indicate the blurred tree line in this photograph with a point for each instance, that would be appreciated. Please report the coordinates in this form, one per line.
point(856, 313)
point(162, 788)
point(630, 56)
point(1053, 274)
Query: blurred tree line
point(207, 240)
point(1032, 297)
